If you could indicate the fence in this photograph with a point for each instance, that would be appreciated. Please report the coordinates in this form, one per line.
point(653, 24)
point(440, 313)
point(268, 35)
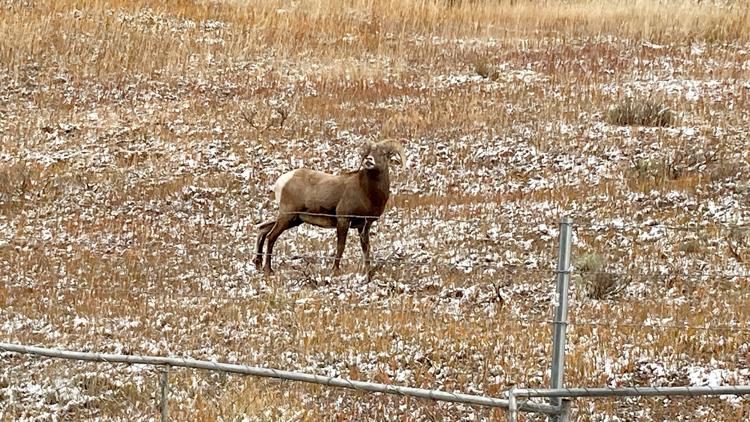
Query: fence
point(271, 373)
point(559, 406)
point(568, 393)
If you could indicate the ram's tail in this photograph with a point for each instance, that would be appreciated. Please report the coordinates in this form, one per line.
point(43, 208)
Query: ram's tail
point(263, 226)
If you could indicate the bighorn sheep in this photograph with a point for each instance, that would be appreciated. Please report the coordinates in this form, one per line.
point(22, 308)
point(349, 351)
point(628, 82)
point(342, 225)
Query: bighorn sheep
point(356, 199)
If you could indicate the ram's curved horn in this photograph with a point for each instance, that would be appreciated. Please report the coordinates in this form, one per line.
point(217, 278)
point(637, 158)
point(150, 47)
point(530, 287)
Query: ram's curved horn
point(394, 147)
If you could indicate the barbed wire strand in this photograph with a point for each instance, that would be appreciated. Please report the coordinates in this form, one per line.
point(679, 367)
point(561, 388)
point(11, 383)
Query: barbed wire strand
point(717, 328)
point(385, 217)
point(521, 320)
point(155, 292)
point(591, 226)
point(414, 263)
point(504, 271)
point(578, 224)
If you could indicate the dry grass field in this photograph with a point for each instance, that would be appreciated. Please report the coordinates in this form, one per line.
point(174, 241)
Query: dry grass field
point(139, 140)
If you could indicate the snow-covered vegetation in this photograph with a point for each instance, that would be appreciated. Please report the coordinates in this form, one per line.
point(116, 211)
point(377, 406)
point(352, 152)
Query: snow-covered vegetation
point(139, 140)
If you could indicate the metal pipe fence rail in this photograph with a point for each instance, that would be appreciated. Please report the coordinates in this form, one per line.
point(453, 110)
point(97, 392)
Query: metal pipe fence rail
point(568, 393)
point(723, 390)
point(167, 362)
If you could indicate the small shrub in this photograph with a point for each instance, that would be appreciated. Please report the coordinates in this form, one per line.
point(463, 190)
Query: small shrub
point(647, 112)
point(738, 241)
point(726, 170)
point(742, 187)
point(690, 246)
point(485, 70)
point(643, 168)
point(15, 182)
point(590, 262)
point(603, 285)
point(595, 281)
point(688, 160)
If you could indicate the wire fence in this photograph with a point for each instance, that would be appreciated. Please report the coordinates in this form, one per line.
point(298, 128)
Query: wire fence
point(217, 298)
point(472, 263)
point(391, 215)
point(580, 224)
point(430, 261)
point(465, 264)
point(707, 390)
point(660, 274)
point(265, 372)
point(682, 227)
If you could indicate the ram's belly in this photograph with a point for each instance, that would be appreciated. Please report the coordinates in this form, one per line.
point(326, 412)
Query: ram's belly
point(319, 220)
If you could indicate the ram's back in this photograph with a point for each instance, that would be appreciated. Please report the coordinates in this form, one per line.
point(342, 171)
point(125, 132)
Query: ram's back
point(311, 191)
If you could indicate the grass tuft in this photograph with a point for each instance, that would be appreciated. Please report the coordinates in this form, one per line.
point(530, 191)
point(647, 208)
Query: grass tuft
point(485, 70)
point(647, 112)
point(594, 279)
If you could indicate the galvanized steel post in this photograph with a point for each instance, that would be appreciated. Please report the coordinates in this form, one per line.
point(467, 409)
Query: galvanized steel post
point(561, 313)
point(565, 410)
point(512, 406)
point(164, 393)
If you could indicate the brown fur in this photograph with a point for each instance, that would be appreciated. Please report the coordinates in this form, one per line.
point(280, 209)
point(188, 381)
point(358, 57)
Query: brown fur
point(355, 199)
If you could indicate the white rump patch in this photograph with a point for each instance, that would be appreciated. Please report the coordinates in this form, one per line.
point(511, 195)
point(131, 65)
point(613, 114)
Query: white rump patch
point(280, 183)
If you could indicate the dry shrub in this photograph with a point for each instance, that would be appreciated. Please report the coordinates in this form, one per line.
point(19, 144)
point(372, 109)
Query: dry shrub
point(687, 160)
point(486, 70)
point(634, 112)
point(690, 246)
point(15, 182)
point(725, 170)
point(594, 279)
point(648, 169)
point(590, 262)
point(738, 241)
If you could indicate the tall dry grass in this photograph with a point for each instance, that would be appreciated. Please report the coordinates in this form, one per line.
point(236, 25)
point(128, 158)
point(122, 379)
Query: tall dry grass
point(90, 39)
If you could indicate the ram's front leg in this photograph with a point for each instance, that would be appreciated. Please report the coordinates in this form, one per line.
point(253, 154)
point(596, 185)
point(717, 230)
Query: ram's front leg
point(364, 241)
point(342, 229)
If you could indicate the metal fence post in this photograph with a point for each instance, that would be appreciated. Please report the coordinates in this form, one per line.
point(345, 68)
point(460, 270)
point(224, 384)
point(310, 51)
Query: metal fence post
point(164, 392)
point(512, 406)
point(561, 313)
point(565, 410)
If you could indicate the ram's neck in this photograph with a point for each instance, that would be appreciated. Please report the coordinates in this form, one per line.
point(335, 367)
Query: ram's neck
point(376, 184)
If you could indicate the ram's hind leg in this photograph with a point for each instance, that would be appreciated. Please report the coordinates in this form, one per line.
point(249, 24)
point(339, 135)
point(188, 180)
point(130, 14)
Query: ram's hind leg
point(263, 230)
point(283, 223)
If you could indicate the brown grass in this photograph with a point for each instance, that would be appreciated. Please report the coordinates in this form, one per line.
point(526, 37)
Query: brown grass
point(138, 139)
